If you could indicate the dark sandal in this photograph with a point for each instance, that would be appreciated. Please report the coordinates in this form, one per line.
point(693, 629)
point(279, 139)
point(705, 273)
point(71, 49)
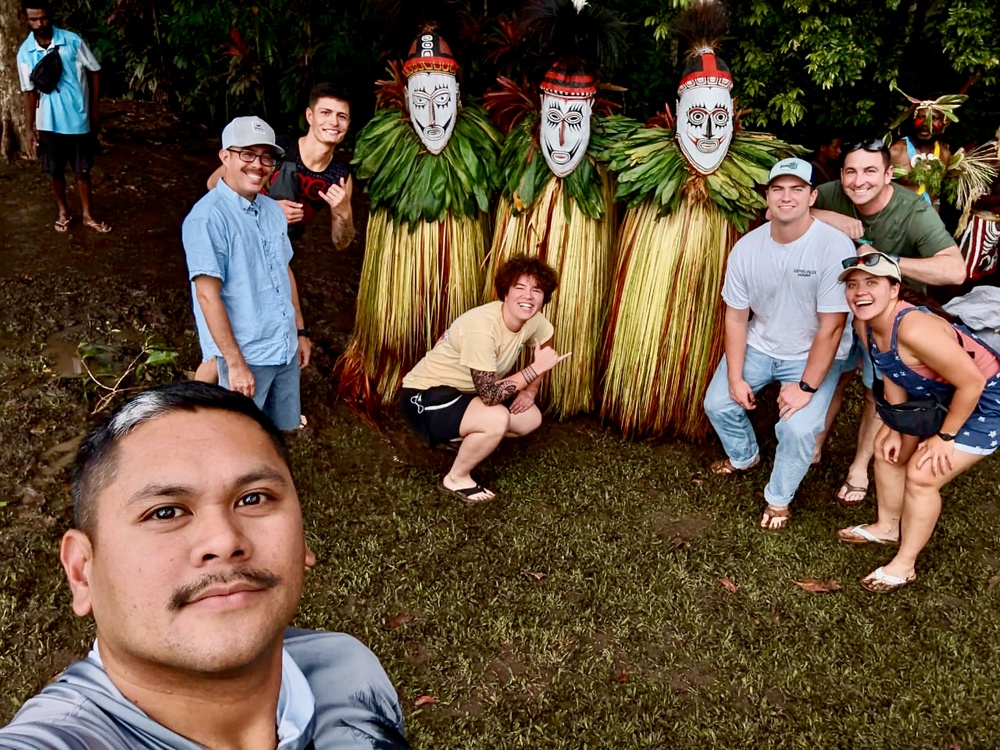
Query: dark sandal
point(849, 489)
point(724, 467)
point(775, 519)
point(466, 495)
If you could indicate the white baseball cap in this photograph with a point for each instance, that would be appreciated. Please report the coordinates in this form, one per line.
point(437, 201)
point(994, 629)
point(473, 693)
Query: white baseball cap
point(792, 168)
point(249, 131)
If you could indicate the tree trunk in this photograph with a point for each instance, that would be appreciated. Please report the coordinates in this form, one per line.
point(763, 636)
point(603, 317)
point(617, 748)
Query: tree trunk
point(13, 131)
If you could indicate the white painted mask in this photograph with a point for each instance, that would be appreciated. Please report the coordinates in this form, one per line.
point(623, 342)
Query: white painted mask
point(432, 99)
point(565, 131)
point(705, 126)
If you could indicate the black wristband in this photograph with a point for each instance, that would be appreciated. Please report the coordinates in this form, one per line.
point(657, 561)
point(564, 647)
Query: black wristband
point(806, 387)
point(304, 332)
point(946, 436)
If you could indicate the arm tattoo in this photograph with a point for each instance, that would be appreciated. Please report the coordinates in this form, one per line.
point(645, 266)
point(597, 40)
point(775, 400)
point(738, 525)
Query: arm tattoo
point(489, 390)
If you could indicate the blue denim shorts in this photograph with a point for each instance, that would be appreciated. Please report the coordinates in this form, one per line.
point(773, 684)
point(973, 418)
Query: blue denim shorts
point(859, 355)
point(276, 391)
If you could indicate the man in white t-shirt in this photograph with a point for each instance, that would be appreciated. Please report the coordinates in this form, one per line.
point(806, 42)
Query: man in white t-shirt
point(786, 273)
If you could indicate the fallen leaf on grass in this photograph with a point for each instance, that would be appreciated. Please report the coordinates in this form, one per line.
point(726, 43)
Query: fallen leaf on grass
point(621, 675)
point(994, 580)
point(395, 622)
point(425, 700)
point(730, 586)
point(533, 575)
point(817, 586)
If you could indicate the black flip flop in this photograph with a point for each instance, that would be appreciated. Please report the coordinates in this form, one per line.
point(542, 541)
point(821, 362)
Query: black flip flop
point(465, 495)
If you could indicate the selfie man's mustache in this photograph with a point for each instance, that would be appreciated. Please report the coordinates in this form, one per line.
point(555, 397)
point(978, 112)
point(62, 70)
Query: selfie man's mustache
point(260, 579)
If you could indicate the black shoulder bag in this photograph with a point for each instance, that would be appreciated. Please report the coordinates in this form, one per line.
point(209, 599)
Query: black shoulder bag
point(921, 417)
point(45, 76)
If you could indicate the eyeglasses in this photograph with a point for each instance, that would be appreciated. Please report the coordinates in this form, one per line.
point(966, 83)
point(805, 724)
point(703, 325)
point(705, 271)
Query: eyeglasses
point(249, 157)
point(874, 145)
point(868, 260)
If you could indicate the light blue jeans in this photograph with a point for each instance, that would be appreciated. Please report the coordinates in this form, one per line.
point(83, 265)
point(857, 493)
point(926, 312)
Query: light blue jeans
point(796, 435)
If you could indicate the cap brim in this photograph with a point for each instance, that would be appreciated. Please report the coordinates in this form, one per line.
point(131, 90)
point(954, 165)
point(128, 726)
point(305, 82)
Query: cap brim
point(864, 269)
point(800, 179)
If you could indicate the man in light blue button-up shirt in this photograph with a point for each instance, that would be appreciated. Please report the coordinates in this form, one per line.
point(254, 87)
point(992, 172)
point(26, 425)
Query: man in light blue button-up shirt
point(246, 302)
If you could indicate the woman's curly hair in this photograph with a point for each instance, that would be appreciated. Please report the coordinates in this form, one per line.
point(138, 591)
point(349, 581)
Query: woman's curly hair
point(522, 265)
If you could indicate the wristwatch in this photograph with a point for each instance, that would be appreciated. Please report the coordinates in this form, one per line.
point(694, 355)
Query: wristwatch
point(806, 387)
point(304, 332)
point(947, 437)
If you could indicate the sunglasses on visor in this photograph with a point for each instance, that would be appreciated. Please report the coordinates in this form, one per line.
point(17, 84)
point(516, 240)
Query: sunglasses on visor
point(868, 260)
point(873, 145)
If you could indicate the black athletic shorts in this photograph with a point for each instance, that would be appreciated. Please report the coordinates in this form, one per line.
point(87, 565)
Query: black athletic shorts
point(436, 413)
point(56, 150)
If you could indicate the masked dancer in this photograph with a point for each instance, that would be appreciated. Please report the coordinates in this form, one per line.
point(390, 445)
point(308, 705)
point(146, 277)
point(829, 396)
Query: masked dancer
point(690, 191)
point(428, 166)
point(560, 207)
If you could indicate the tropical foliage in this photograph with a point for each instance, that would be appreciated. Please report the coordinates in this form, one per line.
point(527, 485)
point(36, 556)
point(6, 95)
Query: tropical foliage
point(796, 62)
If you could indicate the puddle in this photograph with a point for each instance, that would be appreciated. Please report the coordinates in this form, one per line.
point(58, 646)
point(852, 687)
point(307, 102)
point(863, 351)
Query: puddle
point(62, 350)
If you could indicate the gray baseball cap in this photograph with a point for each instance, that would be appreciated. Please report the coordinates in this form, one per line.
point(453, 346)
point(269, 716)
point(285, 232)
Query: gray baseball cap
point(792, 168)
point(249, 131)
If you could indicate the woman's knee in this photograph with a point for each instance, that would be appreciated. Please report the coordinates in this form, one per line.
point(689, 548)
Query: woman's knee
point(922, 478)
point(526, 422)
point(496, 420)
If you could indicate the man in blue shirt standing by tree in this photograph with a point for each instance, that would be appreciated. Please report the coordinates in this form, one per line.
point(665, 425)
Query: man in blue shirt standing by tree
point(246, 300)
point(62, 123)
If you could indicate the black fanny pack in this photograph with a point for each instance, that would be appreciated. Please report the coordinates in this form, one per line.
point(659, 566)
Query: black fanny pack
point(921, 417)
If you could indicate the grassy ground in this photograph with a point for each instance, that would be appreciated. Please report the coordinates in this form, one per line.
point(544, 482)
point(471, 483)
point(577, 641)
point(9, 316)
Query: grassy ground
point(584, 608)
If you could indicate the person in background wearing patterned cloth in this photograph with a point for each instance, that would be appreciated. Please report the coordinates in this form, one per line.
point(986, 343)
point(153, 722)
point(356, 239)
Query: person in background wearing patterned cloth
point(826, 161)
